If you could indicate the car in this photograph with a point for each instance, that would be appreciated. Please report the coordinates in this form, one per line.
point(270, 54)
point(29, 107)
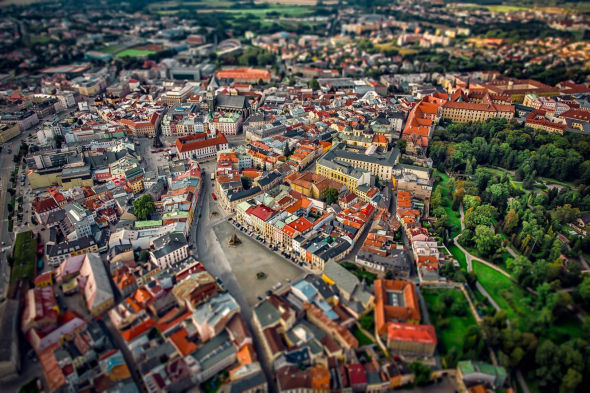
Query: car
point(259, 298)
point(42, 229)
point(288, 280)
point(3, 243)
point(229, 219)
point(269, 292)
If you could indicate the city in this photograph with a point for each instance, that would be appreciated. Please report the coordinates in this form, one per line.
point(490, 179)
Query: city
point(294, 196)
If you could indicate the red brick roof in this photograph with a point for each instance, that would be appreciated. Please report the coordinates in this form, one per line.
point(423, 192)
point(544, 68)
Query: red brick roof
point(195, 142)
point(411, 333)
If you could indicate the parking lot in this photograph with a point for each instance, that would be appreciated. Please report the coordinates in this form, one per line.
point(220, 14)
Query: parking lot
point(252, 257)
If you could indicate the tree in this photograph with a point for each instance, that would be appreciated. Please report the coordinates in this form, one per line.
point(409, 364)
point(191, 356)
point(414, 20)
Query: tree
point(143, 207)
point(402, 144)
point(436, 199)
point(331, 195)
point(510, 222)
point(246, 182)
point(314, 84)
point(486, 242)
point(481, 215)
point(570, 382)
point(421, 372)
point(377, 181)
point(59, 139)
point(144, 255)
point(366, 322)
point(566, 214)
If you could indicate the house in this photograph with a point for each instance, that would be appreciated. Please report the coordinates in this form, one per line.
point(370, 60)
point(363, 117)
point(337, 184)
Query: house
point(211, 317)
point(404, 338)
point(395, 301)
point(355, 296)
point(169, 249)
point(96, 283)
point(584, 220)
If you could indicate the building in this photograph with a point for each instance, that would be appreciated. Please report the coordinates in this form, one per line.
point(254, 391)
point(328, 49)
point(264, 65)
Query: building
point(8, 131)
point(169, 249)
point(199, 147)
point(228, 123)
point(395, 301)
point(58, 253)
point(463, 112)
point(517, 89)
point(245, 75)
point(177, 95)
point(97, 286)
point(10, 362)
point(541, 120)
point(144, 127)
point(408, 339)
point(24, 120)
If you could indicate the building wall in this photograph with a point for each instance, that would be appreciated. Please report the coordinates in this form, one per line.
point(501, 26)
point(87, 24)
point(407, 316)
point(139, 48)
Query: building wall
point(9, 133)
point(76, 182)
point(408, 347)
point(458, 115)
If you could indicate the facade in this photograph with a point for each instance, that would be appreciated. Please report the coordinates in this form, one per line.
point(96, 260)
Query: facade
point(59, 252)
point(25, 120)
point(177, 95)
point(8, 131)
point(199, 147)
point(169, 249)
point(463, 112)
point(411, 339)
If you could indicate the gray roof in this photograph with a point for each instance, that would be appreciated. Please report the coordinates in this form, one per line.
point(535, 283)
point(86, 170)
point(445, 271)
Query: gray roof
point(266, 314)
point(237, 102)
point(168, 243)
point(68, 247)
point(214, 350)
point(245, 384)
point(344, 280)
point(8, 325)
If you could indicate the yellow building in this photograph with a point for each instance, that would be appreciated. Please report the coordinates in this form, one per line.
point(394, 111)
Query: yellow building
point(8, 131)
point(343, 173)
point(463, 112)
point(137, 186)
point(43, 178)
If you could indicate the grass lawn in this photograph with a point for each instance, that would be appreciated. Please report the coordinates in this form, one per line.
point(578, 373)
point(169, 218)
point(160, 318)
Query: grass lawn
point(284, 10)
point(40, 40)
point(506, 293)
point(402, 51)
point(363, 339)
point(354, 269)
point(453, 335)
point(25, 257)
point(109, 49)
point(459, 256)
point(134, 53)
point(505, 8)
point(562, 183)
point(447, 203)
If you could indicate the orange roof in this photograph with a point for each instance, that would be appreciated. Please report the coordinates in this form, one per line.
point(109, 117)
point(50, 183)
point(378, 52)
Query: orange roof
point(320, 378)
point(385, 312)
point(196, 141)
point(136, 331)
point(246, 355)
point(411, 333)
point(243, 73)
point(180, 342)
point(301, 224)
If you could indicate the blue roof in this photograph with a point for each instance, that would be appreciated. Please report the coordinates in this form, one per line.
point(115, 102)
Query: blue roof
point(306, 289)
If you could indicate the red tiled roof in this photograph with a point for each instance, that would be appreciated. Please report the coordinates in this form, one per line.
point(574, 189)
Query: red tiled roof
point(411, 333)
point(195, 142)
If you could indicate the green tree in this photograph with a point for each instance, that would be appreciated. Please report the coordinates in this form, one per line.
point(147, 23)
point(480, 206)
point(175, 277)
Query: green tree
point(566, 214)
point(331, 195)
point(510, 222)
point(402, 144)
point(436, 199)
point(59, 139)
point(143, 207)
point(246, 182)
point(314, 84)
point(570, 382)
point(144, 255)
point(486, 242)
point(366, 322)
point(421, 372)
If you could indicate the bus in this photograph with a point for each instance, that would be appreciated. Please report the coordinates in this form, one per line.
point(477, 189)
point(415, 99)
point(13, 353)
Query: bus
point(212, 176)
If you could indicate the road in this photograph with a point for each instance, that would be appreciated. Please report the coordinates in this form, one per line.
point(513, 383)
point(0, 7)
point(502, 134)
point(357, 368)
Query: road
point(211, 255)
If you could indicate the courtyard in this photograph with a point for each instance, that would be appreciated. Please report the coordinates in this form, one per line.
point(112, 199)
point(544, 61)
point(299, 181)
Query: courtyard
point(252, 257)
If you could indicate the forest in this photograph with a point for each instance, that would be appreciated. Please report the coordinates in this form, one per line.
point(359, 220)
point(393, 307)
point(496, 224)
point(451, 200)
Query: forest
point(522, 192)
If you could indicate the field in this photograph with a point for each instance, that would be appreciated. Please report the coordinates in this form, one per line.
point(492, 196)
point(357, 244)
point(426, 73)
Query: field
point(40, 40)
point(134, 53)
point(296, 2)
point(109, 49)
point(284, 10)
point(453, 335)
point(511, 298)
point(447, 203)
point(25, 257)
point(459, 256)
